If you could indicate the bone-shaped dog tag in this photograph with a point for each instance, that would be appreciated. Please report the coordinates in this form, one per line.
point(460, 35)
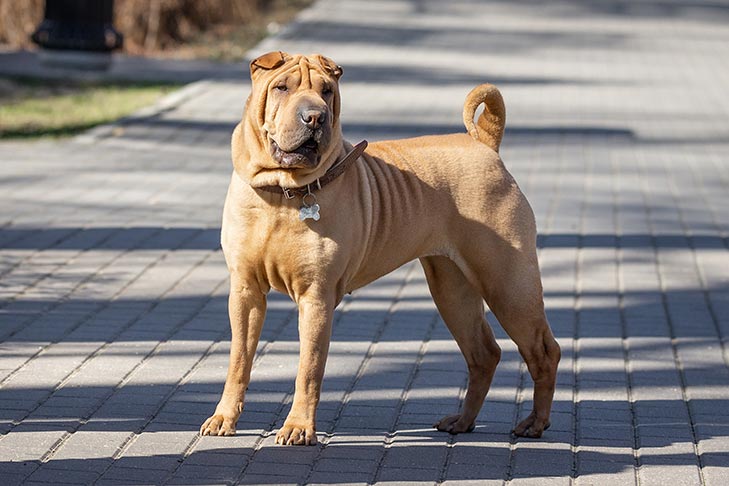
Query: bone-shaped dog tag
point(309, 212)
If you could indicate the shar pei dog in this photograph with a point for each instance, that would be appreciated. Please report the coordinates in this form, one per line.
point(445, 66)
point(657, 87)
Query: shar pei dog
point(312, 216)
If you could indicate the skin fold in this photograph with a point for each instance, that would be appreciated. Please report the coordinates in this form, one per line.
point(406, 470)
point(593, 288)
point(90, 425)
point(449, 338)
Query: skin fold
point(447, 200)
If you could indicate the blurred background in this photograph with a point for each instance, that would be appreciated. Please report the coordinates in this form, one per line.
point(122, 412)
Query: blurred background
point(166, 43)
point(217, 29)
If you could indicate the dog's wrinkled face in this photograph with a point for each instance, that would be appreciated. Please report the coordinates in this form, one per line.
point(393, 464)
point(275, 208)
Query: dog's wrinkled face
point(297, 98)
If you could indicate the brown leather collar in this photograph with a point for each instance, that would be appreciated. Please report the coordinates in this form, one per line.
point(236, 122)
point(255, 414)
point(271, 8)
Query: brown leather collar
point(334, 171)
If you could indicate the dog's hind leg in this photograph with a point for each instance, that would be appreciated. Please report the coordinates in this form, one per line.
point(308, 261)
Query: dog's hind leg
point(541, 353)
point(517, 302)
point(461, 307)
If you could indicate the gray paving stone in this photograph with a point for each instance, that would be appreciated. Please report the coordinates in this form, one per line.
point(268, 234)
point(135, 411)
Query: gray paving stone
point(472, 482)
point(341, 450)
point(240, 444)
point(268, 479)
point(298, 455)
point(407, 475)
point(536, 481)
point(135, 474)
point(675, 474)
point(715, 474)
point(486, 471)
point(415, 455)
point(278, 469)
point(535, 461)
point(206, 473)
point(347, 465)
point(495, 455)
point(114, 273)
point(62, 476)
point(17, 470)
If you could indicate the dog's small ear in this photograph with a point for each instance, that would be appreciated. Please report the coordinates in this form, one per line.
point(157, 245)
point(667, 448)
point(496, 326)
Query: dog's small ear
point(271, 60)
point(330, 66)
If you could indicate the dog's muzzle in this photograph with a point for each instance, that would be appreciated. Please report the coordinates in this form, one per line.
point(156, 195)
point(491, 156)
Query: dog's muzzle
point(305, 155)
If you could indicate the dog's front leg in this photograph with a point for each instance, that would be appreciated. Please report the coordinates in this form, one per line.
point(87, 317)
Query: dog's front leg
point(247, 310)
point(315, 327)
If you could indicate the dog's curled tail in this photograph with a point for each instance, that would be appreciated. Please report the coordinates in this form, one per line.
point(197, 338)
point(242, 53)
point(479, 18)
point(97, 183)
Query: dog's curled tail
point(489, 129)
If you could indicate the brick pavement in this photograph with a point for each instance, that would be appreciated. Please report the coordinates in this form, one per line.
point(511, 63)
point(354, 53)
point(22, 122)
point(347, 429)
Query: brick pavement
point(113, 289)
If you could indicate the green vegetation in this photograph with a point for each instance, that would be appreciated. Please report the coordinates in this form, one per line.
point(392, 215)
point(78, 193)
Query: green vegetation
point(33, 108)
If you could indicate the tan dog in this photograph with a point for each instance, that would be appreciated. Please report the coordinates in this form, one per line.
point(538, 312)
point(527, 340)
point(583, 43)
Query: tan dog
point(447, 200)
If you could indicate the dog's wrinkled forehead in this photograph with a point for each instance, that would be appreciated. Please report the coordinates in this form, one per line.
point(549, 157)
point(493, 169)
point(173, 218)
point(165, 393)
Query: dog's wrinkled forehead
point(273, 63)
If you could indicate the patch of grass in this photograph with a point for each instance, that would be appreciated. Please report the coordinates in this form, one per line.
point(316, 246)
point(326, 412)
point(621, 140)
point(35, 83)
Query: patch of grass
point(33, 108)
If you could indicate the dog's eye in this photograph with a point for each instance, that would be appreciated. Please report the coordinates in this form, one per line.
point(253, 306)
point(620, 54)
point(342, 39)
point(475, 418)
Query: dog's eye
point(326, 91)
point(282, 87)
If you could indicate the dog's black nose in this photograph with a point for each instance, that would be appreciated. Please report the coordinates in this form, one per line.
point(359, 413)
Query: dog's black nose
point(313, 118)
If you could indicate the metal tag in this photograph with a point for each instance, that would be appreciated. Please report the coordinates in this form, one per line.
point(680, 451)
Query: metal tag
point(309, 212)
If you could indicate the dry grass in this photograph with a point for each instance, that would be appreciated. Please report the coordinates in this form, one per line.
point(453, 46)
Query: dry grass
point(163, 27)
point(18, 20)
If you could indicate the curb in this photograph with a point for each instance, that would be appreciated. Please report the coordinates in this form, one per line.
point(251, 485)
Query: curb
point(167, 103)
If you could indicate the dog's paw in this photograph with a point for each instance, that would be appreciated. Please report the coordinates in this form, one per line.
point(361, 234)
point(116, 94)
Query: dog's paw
point(218, 424)
point(453, 424)
point(296, 434)
point(531, 427)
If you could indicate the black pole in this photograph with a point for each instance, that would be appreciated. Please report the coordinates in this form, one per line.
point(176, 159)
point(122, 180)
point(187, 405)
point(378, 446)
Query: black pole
point(81, 25)
point(77, 34)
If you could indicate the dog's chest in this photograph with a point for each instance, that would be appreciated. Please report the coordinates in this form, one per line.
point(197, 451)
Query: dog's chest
point(277, 246)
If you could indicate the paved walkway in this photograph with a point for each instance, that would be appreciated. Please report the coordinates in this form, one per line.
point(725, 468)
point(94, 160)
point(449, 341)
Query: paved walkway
point(113, 290)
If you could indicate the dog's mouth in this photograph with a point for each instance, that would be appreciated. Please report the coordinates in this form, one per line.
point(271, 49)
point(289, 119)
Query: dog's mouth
point(305, 155)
